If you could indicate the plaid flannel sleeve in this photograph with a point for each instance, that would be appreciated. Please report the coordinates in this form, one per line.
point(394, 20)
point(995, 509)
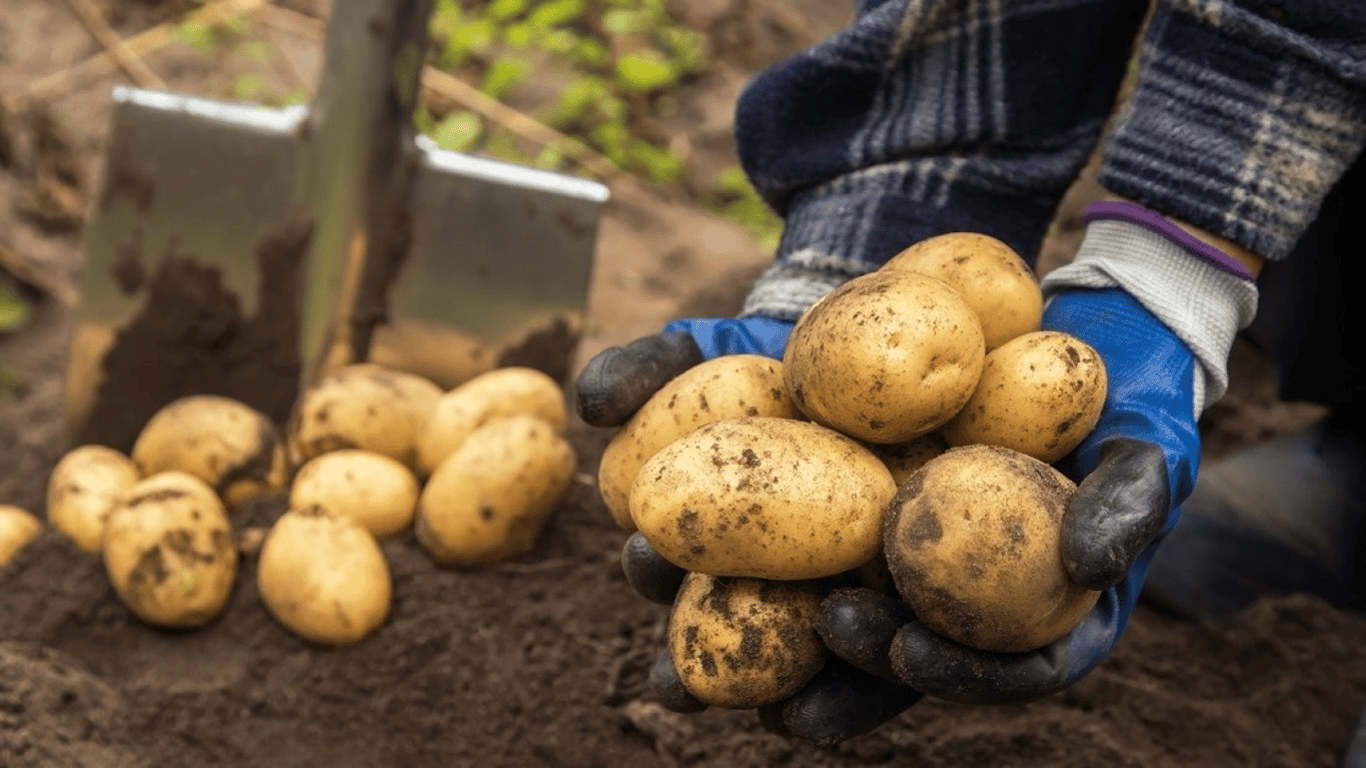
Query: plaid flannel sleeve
point(928, 116)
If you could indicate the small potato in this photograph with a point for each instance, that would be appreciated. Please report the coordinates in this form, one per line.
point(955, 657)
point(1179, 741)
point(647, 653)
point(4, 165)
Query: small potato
point(725, 387)
point(992, 278)
point(169, 550)
point(323, 576)
point(744, 643)
point(362, 406)
point(83, 488)
point(226, 443)
point(498, 393)
point(1040, 394)
point(886, 357)
point(763, 497)
point(376, 491)
point(18, 527)
point(972, 541)
point(903, 459)
point(490, 499)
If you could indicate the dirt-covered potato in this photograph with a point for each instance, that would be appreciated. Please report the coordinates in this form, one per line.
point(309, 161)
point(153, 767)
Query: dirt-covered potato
point(376, 491)
point(1040, 394)
point(490, 499)
point(972, 541)
point(362, 406)
point(323, 576)
point(743, 643)
point(763, 497)
point(498, 393)
point(886, 357)
point(18, 527)
point(169, 550)
point(84, 486)
point(991, 277)
point(233, 447)
point(730, 386)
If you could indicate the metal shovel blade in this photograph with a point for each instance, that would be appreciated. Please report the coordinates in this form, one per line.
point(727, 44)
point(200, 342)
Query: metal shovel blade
point(225, 250)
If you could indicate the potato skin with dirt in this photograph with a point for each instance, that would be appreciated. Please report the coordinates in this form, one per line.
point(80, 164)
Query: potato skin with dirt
point(169, 550)
point(83, 488)
point(489, 500)
point(886, 357)
point(233, 447)
point(730, 386)
point(1040, 394)
point(18, 527)
point(376, 491)
point(763, 497)
point(972, 542)
point(362, 406)
point(323, 576)
point(991, 277)
point(493, 395)
point(743, 643)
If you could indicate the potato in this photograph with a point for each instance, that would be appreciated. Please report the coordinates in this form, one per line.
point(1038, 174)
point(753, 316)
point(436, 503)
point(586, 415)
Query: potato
point(82, 489)
point(376, 491)
point(972, 541)
point(1039, 394)
point(490, 499)
point(763, 497)
point(226, 443)
point(18, 527)
point(169, 550)
point(362, 406)
point(498, 393)
point(991, 277)
point(323, 576)
point(886, 357)
point(726, 387)
point(743, 643)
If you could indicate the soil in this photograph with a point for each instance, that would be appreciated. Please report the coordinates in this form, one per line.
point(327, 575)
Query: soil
point(542, 660)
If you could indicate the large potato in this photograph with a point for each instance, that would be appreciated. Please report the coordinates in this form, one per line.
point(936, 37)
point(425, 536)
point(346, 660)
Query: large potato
point(763, 497)
point(323, 576)
point(18, 527)
point(744, 643)
point(730, 386)
point(169, 550)
point(991, 277)
point(498, 393)
point(973, 545)
point(362, 406)
point(376, 491)
point(886, 357)
point(82, 489)
point(1040, 394)
point(490, 499)
point(233, 447)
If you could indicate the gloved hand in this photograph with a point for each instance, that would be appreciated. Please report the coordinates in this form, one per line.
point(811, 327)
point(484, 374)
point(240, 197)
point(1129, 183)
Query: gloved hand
point(618, 380)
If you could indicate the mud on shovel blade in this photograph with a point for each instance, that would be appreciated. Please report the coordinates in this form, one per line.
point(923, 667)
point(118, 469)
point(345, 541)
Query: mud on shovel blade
point(240, 249)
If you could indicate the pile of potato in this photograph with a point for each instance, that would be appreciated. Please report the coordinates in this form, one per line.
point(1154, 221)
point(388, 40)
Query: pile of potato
point(904, 443)
point(369, 453)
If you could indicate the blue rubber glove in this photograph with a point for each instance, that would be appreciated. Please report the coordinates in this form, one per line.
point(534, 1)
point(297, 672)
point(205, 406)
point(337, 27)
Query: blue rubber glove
point(618, 380)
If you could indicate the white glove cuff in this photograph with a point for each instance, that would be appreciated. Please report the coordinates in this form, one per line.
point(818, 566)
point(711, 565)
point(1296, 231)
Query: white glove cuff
point(1204, 304)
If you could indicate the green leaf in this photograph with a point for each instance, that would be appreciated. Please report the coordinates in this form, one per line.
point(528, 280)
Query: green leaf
point(458, 131)
point(248, 86)
point(556, 13)
point(256, 50)
point(197, 35)
point(645, 71)
point(660, 164)
point(504, 75)
point(502, 10)
point(14, 313)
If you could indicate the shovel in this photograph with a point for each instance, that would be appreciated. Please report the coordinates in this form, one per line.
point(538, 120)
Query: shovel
point(244, 250)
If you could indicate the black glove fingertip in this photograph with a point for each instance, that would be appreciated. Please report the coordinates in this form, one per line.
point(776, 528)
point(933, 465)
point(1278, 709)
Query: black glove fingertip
point(839, 703)
point(858, 625)
point(1118, 509)
point(618, 380)
point(648, 573)
point(667, 688)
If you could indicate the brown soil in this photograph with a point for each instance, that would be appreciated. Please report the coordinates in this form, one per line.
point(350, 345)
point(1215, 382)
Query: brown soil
point(540, 661)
